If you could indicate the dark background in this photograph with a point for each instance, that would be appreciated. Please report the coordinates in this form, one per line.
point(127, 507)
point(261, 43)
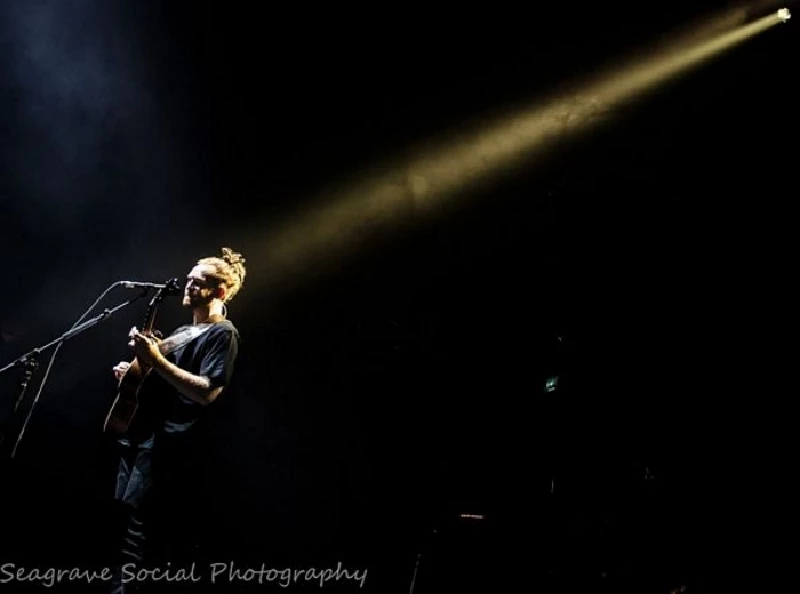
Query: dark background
point(645, 264)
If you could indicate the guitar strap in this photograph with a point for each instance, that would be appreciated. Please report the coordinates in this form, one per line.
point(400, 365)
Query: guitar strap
point(182, 337)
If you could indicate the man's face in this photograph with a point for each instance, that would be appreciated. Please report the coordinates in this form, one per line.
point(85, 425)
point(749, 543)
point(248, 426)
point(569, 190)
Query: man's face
point(200, 286)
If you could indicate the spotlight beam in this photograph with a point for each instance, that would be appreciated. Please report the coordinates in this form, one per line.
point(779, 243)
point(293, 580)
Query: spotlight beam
point(430, 181)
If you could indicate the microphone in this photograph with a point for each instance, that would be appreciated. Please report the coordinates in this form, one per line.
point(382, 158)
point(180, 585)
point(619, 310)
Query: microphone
point(170, 288)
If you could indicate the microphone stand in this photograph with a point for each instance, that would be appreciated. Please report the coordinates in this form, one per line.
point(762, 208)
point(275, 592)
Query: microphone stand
point(29, 361)
point(30, 364)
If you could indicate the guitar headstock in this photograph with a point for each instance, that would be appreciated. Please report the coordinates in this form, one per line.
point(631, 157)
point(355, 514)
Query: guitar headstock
point(172, 287)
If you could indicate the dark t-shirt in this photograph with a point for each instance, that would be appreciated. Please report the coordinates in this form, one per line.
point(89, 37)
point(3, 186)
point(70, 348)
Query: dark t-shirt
point(162, 409)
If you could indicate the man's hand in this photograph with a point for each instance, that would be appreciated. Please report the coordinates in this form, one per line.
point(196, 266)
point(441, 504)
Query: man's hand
point(144, 347)
point(121, 369)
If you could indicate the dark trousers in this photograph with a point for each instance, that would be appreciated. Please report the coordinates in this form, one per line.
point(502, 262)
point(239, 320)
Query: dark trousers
point(134, 494)
point(154, 490)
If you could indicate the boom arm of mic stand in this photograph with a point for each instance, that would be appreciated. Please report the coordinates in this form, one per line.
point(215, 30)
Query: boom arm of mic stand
point(28, 357)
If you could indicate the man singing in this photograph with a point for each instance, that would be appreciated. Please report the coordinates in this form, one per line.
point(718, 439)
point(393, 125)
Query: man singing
point(190, 368)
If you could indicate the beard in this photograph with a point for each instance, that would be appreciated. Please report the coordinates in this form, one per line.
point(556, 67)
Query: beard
point(196, 300)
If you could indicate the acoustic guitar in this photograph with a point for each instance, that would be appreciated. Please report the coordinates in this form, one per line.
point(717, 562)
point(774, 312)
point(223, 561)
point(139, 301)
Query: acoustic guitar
point(127, 401)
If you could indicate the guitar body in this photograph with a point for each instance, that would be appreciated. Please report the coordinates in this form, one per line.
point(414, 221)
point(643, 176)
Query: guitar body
point(126, 403)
